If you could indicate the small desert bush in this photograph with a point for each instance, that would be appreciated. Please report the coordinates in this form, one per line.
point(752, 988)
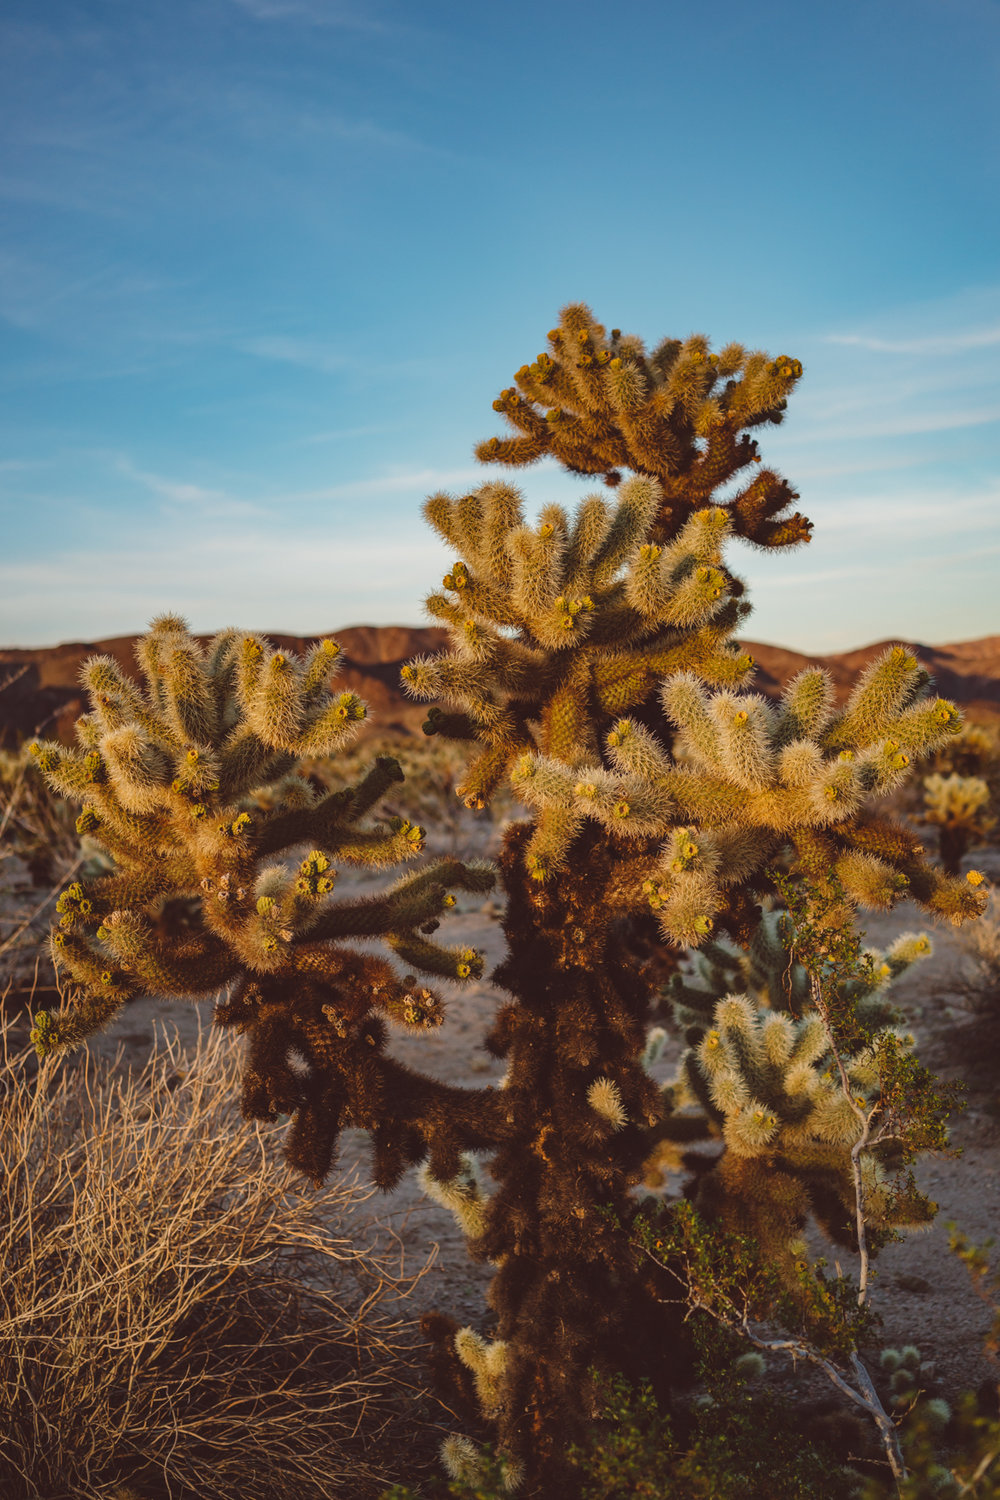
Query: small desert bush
point(175, 1316)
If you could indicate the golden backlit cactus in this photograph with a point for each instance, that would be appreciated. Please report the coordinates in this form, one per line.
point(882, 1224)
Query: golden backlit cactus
point(599, 404)
point(745, 780)
point(592, 666)
point(551, 623)
point(190, 784)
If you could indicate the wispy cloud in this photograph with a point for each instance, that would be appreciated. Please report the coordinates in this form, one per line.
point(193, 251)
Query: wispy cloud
point(210, 503)
point(895, 424)
point(310, 354)
point(313, 13)
point(327, 358)
point(955, 343)
point(420, 480)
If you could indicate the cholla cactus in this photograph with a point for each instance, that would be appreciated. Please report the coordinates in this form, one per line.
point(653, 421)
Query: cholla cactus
point(681, 414)
point(910, 1379)
point(959, 807)
point(766, 1085)
point(560, 623)
point(561, 633)
point(190, 785)
point(960, 796)
point(768, 972)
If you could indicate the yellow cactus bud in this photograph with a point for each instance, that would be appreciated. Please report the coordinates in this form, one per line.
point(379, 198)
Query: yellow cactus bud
point(975, 877)
point(622, 809)
point(449, 900)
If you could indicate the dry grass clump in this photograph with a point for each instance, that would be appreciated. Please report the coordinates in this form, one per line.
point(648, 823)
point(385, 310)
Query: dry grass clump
point(176, 1315)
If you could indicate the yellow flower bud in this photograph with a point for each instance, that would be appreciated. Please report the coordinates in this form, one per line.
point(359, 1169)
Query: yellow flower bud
point(975, 877)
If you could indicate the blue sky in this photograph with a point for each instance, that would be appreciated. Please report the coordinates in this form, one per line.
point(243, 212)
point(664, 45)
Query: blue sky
point(264, 265)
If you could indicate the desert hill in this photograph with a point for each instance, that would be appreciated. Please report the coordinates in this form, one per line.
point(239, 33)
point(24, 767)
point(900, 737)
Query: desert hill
point(43, 695)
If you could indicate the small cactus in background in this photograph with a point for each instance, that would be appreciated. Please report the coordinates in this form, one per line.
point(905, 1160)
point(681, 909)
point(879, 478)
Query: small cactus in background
point(959, 807)
point(190, 784)
point(765, 1084)
point(769, 973)
point(960, 796)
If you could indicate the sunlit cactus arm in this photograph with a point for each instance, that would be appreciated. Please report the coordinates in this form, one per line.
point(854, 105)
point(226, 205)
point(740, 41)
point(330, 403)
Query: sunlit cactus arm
point(599, 404)
point(433, 958)
point(883, 690)
point(413, 901)
point(195, 965)
point(382, 845)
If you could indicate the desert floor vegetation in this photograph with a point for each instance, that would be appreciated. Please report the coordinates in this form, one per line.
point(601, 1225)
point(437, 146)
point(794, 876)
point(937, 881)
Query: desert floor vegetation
point(175, 1316)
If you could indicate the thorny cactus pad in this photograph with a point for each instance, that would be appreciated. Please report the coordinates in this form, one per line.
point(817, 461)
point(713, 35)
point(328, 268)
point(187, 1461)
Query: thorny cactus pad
point(190, 783)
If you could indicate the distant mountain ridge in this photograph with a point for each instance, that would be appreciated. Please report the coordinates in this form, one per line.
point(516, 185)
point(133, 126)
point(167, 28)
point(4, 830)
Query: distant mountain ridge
point(43, 693)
